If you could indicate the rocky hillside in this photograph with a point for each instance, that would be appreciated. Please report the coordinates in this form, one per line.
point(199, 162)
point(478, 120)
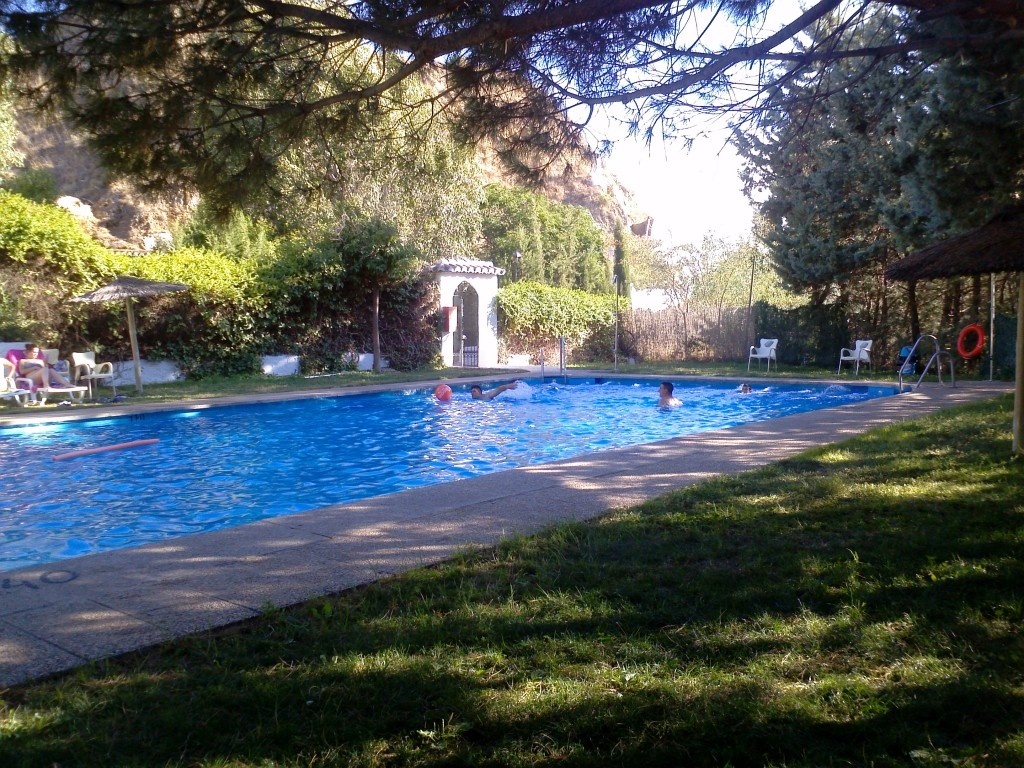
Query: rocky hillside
point(123, 217)
point(115, 211)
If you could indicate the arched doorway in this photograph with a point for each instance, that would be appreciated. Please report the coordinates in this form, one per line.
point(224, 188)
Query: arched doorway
point(468, 293)
point(467, 330)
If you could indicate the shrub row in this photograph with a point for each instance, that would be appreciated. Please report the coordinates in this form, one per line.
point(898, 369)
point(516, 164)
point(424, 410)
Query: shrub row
point(280, 297)
point(299, 299)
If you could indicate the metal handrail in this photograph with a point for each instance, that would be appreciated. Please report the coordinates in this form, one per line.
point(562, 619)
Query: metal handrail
point(561, 358)
point(935, 358)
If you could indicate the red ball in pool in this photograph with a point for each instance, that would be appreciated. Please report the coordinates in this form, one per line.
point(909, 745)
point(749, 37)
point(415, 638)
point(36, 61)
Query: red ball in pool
point(443, 393)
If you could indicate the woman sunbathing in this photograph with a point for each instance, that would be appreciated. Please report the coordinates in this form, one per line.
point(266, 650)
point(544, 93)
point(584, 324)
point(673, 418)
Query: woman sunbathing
point(34, 368)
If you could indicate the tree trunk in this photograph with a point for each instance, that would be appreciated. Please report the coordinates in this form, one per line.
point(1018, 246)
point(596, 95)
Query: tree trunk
point(950, 304)
point(1018, 392)
point(913, 311)
point(686, 335)
point(958, 304)
point(375, 330)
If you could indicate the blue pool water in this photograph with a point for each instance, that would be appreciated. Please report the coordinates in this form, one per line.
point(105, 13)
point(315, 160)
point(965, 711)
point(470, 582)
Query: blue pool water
point(225, 466)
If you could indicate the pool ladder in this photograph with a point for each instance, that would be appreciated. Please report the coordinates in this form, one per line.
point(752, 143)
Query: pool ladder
point(937, 357)
point(561, 359)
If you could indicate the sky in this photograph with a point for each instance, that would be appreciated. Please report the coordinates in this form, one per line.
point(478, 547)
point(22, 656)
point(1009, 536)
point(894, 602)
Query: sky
point(689, 191)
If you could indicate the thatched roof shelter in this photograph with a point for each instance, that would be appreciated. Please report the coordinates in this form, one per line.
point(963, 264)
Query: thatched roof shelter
point(129, 290)
point(997, 246)
point(125, 287)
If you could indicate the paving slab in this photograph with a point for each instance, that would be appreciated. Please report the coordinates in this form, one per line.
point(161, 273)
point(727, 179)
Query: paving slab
point(57, 616)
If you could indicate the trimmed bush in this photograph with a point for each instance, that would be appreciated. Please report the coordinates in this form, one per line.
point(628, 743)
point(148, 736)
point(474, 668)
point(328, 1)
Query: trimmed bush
point(45, 260)
point(533, 315)
point(216, 327)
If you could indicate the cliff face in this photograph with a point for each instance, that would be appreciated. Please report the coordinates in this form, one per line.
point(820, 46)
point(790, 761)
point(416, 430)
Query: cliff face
point(116, 212)
point(121, 216)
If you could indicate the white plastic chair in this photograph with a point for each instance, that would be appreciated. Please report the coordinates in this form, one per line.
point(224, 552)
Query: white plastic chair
point(54, 363)
point(12, 386)
point(861, 353)
point(764, 352)
point(88, 370)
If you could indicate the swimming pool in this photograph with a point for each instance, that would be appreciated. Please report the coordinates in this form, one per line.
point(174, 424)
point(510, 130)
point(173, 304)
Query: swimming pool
point(224, 466)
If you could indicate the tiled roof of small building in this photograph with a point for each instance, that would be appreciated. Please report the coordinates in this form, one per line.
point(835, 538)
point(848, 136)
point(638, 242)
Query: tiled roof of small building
point(466, 266)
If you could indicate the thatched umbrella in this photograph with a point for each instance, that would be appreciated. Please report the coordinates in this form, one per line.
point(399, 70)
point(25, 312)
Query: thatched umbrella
point(129, 290)
point(997, 246)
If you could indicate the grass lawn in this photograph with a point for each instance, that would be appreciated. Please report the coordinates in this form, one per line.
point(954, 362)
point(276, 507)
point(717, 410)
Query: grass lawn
point(861, 604)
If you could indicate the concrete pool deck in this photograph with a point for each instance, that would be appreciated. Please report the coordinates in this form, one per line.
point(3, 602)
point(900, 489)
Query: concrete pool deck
point(58, 616)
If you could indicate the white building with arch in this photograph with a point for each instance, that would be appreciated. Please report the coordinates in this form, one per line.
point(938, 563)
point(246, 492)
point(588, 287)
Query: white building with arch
point(469, 311)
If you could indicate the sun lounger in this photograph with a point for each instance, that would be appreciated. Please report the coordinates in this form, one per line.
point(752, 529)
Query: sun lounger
point(13, 387)
point(40, 393)
point(72, 394)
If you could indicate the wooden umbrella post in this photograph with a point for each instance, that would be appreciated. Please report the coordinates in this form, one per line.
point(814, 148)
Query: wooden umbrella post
point(136, 364)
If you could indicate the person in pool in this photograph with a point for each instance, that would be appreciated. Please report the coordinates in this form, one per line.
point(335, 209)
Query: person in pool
point(33, 367)
point(745, 389)
point(477, 392)
point(665, 396)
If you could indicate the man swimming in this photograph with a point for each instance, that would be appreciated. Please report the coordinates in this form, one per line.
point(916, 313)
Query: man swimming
point(665, 397)
point(477, 392)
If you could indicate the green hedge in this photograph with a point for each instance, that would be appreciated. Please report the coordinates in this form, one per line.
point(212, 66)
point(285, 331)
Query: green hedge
point(281, 297)
point(45, 259)
point(318, 308)
point(46, 239)
point(217, 326)
point(531, 312)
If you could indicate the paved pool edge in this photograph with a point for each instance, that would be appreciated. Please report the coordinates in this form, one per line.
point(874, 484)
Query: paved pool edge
point(58, 616)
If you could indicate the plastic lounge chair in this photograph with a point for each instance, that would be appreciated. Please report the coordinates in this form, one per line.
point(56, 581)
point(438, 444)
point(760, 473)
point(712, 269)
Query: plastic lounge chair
point(53, 361)
point(42, 393)
point(764, 352)
point(12, 386)
point(861, 353)
point(71, 393)
point(88, 370)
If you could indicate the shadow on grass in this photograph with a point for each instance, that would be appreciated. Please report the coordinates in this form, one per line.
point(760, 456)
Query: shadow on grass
point(860, 604)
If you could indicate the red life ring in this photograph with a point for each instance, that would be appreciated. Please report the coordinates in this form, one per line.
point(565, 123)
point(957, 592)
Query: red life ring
point(979, 346)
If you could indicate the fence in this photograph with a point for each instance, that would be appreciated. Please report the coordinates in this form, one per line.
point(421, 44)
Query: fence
point(675, 334)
